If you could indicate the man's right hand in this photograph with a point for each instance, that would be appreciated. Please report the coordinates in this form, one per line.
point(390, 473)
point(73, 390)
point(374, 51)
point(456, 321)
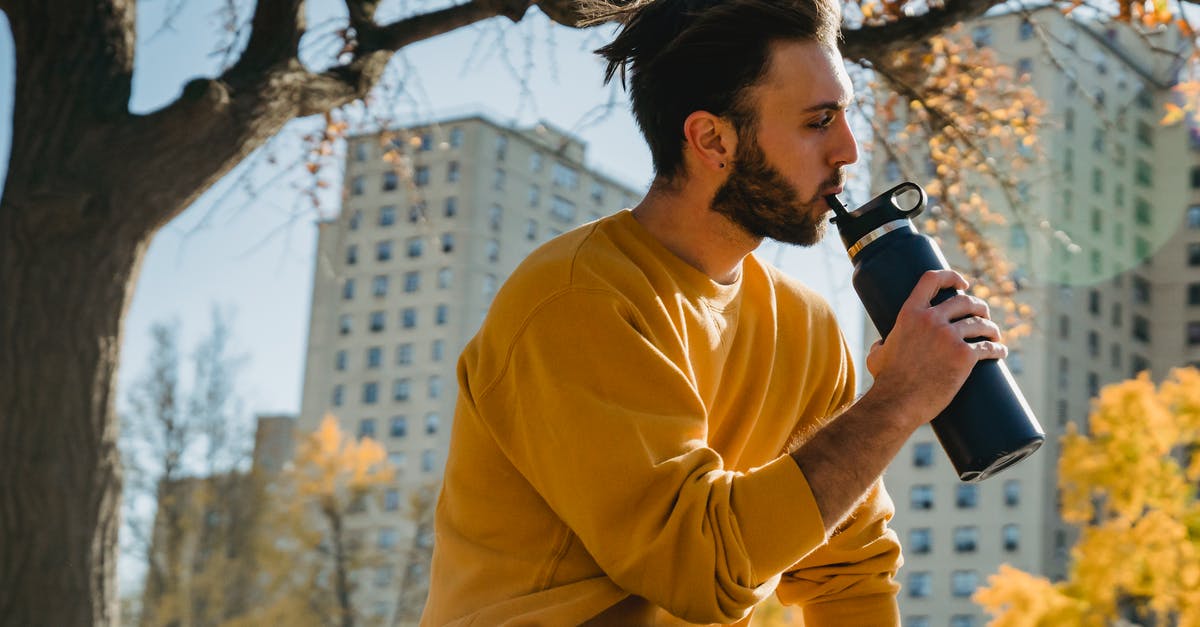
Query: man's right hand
point(926, 357)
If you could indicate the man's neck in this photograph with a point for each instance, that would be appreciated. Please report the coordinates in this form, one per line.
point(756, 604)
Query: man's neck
point(681, 219)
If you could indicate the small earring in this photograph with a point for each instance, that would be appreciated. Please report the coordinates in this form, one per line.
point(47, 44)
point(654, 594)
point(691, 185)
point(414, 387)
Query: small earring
point(722, 164)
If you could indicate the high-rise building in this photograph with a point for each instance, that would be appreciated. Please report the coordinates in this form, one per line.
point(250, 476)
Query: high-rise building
point(434, 219)
point(1115, 293)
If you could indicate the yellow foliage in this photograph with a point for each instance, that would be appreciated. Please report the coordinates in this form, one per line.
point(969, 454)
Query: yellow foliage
point(333, 468)
point(1130, 484)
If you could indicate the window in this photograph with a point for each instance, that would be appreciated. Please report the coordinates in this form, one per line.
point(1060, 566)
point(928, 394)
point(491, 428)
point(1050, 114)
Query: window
point(1142, 212)
point(962, 620)
point(1138, 364)
point(498, 179)
point(1093, 344)
point(358, 186)
point(391, 500)
point(531, 230)
point(1143, 173)
point(452, 172)
point(1115, 355)
point(1025, 30)
point(563, 176)
point(501, 147)
point(535, 195)
point(376, 321)
point(1097, 181)
point(397, 460)
point(435, 386)
point(456, 137)
point(399, 426)
point(920, 585)
point(404, 354)
point(1193, 217)
point(916, 621)
point(379, 286)
point(421, 176)
point(1193, 333)
point(412, 281)
point(391, 181)
point(374, 357)
point(348, 290)
point(370, 393)
point(921, 496)
point(416, 213)
point(441, 314)
point(1193, 291)
point(344, 324)
point(1063, 373)
point(1024, 67)
point(492, 249)
point(597, 192)
point(416, 247)
point(1093, 384)
point(1064, 327)
point(1012, 487)
point(1145, 134)
point(1094, 301)
point(451, 209)
point(383, 250)
point(351, 255)
point(966, 496)
point(1196, 177)
point(432, 421)
point(387, 215)
point(366, 428)
point(400, 390)
point(489, 285)
point(1011, 537)
point(1069, 120)
point(437, 350)
point(1141, 328)
point(495, 212)
point(387, 538)
point(562, 209)
point(361, 151)
point(1015, 361)
point(1141, 290)
point(982, 36)
point(1060, 407)
point(923, 454)
point(1193, 254)
point(355, 219)
point(964, 582)
point(426, 141)
point(535, 162)
point(445, 277)
point(428, 460)
point(408, 317)
point(966, 539)
point(340, 360)
point(920, 540)
point(338, 392)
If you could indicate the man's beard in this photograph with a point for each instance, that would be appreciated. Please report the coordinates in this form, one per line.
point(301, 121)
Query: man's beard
point(759, 199)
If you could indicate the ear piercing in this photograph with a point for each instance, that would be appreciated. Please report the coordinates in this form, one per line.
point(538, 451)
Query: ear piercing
point(722, 164)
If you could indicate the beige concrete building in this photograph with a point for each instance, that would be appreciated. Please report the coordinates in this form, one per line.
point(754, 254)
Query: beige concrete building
point(434, 219)
point(1115, 293)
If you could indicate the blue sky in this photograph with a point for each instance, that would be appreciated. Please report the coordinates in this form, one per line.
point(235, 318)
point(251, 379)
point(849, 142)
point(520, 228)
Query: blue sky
point(254, 255)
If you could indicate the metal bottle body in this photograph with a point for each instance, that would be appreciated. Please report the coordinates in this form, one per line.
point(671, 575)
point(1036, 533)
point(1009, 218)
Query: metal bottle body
point(989, 425)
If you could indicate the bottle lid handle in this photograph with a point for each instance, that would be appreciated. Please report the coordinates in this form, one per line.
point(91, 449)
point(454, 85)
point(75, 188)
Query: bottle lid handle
point(908, 194)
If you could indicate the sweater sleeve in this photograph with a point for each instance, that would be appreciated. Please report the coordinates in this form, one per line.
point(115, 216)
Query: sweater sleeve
point(612, 434)
point(850, 580)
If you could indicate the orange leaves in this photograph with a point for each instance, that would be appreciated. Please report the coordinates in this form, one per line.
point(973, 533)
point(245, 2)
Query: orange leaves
point(1130, 483)
point(334, 468)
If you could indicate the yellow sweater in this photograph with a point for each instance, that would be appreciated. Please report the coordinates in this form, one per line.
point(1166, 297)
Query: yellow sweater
point(619, 447)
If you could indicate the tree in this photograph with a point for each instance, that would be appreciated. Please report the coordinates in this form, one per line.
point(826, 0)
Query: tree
point(1130, 485)
point(75, 223)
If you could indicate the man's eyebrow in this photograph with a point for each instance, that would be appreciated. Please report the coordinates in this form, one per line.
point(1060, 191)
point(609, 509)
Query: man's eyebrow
point(832, 105)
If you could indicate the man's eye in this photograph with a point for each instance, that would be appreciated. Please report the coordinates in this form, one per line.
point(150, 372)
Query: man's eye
point(824, 122)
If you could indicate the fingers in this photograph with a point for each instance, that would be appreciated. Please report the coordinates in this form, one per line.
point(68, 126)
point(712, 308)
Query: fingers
point(962, 306)
point(931, 283)
point(989, 350)
point(976, 327)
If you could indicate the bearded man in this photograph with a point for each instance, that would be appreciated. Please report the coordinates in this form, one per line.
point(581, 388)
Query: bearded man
point(654, 427)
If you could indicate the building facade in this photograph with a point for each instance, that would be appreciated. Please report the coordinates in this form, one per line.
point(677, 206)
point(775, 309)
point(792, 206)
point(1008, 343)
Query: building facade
point(434, 219)
point(1113, 277)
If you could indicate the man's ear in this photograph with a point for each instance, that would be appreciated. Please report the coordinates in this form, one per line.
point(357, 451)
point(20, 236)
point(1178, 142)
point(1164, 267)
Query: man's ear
point(711, 140)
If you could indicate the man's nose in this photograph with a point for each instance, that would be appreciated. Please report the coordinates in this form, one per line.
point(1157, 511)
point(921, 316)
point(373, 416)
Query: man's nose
point(845, 148)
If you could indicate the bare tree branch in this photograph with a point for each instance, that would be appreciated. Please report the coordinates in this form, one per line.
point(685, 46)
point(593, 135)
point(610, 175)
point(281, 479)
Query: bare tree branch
point(877, 42)
point(275, 32)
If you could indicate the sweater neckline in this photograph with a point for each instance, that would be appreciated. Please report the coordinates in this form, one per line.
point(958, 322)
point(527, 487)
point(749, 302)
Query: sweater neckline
point(715, 294)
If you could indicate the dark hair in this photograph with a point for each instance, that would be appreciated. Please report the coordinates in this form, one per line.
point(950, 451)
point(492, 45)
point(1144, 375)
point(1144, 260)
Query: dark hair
point(684, 56)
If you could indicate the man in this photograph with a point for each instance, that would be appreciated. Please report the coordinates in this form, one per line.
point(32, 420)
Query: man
point(654, 427)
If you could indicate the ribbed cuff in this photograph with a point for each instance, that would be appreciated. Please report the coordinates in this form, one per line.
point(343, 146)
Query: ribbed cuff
point(876, 610)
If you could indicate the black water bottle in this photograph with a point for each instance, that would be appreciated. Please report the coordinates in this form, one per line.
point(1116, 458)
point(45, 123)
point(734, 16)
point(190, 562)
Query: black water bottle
point(988, 426)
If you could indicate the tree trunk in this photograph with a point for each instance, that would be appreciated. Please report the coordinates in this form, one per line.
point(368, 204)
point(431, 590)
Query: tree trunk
point(63, 293)
point(341, 567)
